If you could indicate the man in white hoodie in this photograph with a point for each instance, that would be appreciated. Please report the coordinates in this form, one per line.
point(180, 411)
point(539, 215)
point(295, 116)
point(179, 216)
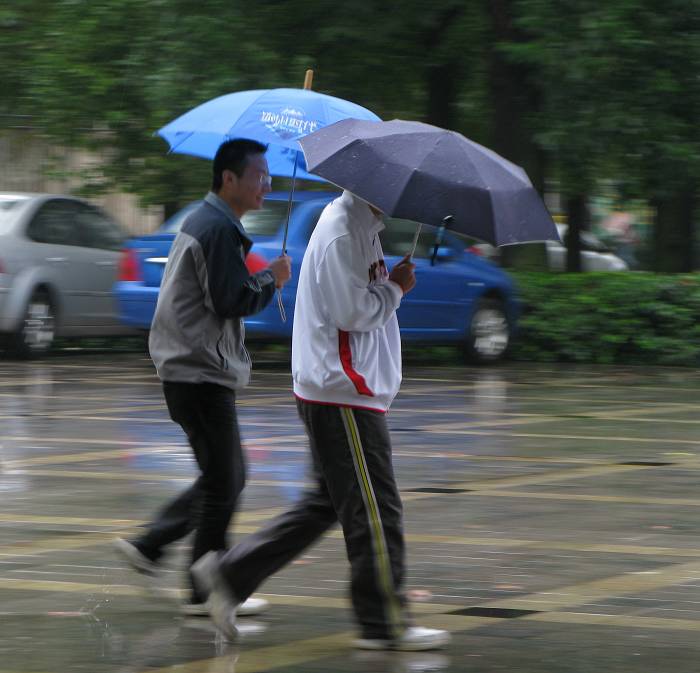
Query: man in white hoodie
point(346, 366)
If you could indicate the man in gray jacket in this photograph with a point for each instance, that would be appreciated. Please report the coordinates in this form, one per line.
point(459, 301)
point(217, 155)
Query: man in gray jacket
point(196, 343)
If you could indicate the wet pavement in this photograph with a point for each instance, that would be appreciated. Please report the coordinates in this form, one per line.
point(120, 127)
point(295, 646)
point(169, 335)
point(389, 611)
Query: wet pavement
point(551, 519)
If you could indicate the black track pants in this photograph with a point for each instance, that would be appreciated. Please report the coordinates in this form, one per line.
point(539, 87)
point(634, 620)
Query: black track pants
point(354, 484)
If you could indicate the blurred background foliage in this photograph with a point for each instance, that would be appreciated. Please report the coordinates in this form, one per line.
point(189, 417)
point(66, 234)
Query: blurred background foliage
point(609, 318)
point(580, 93)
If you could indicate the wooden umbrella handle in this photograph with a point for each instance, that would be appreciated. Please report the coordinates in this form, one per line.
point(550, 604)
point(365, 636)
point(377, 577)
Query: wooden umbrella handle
point(308, 79)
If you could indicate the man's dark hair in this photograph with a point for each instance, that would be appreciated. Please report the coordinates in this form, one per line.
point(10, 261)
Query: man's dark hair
point(233, 155)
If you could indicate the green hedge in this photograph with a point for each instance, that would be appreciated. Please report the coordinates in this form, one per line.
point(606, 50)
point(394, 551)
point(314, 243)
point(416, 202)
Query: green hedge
point(609, 318)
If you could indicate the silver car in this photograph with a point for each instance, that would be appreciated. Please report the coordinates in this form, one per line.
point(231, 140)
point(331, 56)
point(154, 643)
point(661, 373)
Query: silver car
point(595, 255)
point(58, 262)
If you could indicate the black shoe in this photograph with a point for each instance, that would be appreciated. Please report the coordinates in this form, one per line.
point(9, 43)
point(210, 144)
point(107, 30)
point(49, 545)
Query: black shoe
point(133, 556)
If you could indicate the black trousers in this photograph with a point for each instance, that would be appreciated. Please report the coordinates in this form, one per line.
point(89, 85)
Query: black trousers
point(354, 475)
point(207, 414)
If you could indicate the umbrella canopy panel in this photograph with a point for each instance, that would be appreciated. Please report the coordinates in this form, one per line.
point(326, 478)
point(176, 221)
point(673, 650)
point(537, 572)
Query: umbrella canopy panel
point(423, 173)
point(276, 117)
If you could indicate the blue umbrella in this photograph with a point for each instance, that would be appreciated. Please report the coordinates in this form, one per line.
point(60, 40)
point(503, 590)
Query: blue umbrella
point(277, 117)
point(427, 174)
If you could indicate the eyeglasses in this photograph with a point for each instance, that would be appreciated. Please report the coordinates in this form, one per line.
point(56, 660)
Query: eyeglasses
point(264, 179)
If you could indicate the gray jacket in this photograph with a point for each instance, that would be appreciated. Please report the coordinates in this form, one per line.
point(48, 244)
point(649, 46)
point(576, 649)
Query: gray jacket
point(197, 331)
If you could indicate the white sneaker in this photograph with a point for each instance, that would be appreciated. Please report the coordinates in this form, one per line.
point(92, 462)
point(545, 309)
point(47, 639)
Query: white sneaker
point(221, 605)
point(138, 562)
point(413, 639)
point(251, 607)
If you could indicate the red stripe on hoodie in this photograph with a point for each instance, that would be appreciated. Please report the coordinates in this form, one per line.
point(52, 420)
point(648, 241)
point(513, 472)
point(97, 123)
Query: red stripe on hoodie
point(346, 360)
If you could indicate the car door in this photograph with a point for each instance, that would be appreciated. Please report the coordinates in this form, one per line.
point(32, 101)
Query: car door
point(102, 240)
point(58, 251)
point(437, 307)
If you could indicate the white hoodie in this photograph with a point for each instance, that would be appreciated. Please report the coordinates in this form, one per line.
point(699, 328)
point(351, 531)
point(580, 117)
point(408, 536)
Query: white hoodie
point(346, 348)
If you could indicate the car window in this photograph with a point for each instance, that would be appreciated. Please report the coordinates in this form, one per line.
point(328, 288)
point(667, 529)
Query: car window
point(313, 221)
point(174, 222)
point(9, 205)
point(96, 229)
point(397, 238)
point(267, 221)
point(54, 223)
point(589, 241)
point(264, 222)
point(593, 243)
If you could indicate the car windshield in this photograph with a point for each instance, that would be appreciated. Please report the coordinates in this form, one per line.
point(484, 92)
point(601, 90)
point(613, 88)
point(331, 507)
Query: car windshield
point(265, 222)
point(589, 241)
point(174, 223)
point(9, 206)
point(398, 236)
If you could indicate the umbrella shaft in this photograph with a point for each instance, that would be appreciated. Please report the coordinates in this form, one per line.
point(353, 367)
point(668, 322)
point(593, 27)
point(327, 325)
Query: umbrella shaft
point(415, 241)
point(289, 204)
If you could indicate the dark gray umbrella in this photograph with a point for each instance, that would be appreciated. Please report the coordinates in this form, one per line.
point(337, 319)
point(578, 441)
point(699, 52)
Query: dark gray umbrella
point(427, 174)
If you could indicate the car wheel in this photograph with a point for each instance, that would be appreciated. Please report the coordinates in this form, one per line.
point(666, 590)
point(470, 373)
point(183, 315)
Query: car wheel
point(36, 332)
point(488, 335)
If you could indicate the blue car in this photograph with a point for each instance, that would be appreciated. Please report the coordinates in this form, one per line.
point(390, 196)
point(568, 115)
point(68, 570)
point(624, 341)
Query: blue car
point(461, 300)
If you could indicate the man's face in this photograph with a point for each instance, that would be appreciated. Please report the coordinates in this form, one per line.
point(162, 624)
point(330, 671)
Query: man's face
point(248, 191)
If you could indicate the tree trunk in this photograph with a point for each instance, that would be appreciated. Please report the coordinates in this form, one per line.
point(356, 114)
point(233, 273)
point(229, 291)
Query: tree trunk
point(674, 232)
point(442, 76)
point(577, 219)
point(510, 98)
point(442, 92)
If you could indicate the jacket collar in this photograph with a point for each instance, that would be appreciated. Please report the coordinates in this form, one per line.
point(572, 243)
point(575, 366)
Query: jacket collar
point(360, 213)
point(217, 202)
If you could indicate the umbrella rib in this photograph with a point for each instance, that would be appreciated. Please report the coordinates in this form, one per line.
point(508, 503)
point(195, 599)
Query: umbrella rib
point(399, 192)
point(408, 179)
point(174, 147)
point(469, 160)
point(415, 171)
point(487, 188)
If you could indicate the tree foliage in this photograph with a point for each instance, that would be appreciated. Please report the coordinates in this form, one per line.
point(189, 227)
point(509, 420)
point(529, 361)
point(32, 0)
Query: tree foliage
point(575, 91)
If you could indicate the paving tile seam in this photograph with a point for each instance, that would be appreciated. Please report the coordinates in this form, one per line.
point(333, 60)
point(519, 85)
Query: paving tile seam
point(242, 515)
point(488, 488)
point(535, 398)
point(86, 539)
point(573, 383)
point(457, 428)
point(83, 440)
point(89, 456)
point(77, 398)
point(139, 477)
point(70, 413)
point(472, 409)
point(592, 438)
point(294, 440)
point(584, 497)
point(683, 459)
point(533, 479)
point(430, 609)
